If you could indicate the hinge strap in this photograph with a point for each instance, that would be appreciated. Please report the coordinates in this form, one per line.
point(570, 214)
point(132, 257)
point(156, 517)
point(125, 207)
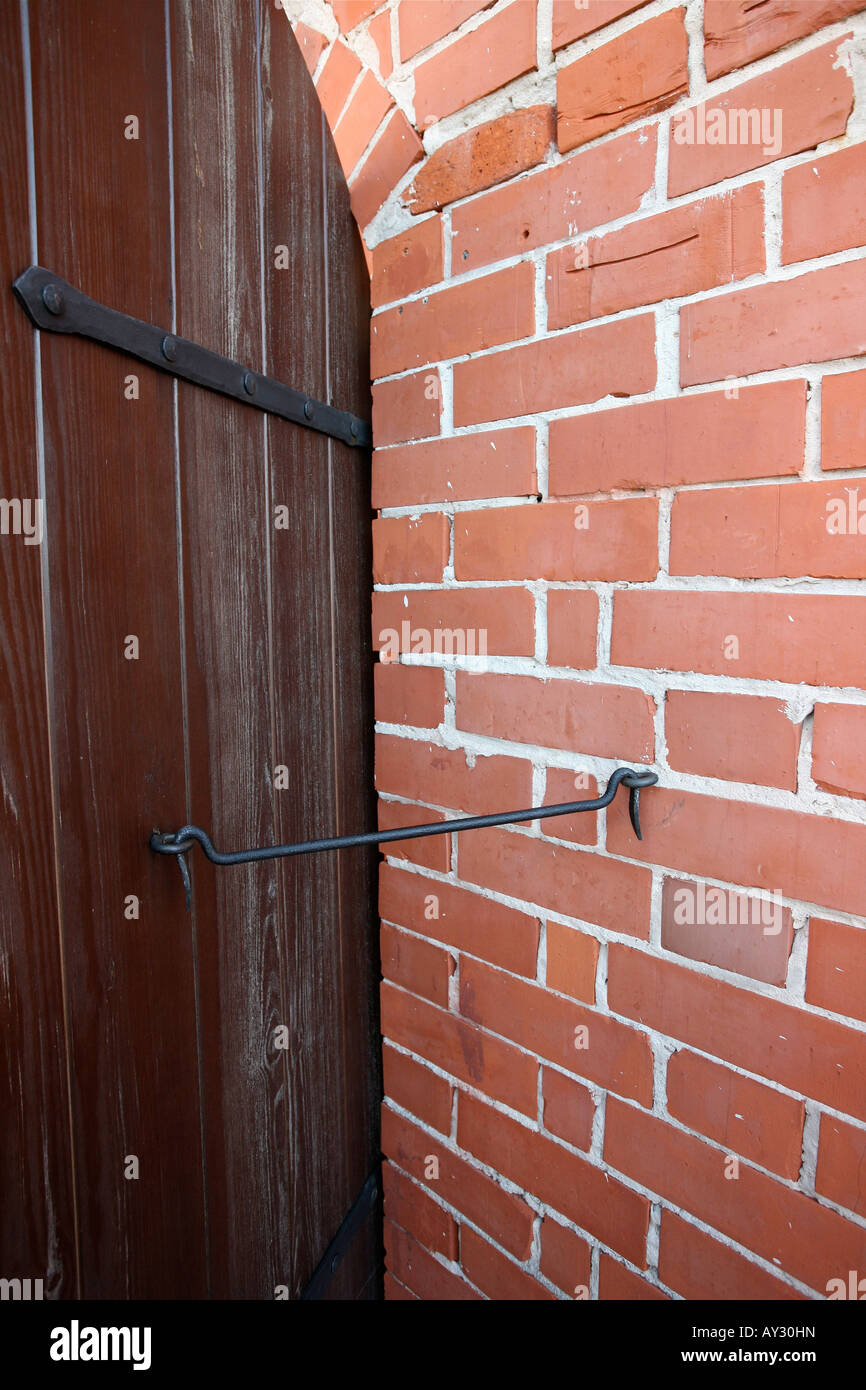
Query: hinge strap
point(58, 307)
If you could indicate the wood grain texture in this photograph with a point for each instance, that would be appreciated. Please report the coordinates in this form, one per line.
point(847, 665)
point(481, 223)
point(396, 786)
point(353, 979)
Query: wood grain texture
point(102, 208)
point(103, 219)
point(37, 1228)
point(223, 469)
point(349, 361)
point(253, 654)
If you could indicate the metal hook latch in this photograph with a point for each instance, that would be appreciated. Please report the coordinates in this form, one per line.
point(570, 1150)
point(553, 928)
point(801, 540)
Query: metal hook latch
point(181, 842)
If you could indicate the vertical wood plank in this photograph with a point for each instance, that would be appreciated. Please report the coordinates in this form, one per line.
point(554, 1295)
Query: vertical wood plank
point(348, 328)
point(224, 472)
point(102, 199)
point(37, 1229)
point(304, 658)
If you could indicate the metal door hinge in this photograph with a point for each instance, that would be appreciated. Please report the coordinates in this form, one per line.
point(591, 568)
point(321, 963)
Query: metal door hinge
point(56, 306)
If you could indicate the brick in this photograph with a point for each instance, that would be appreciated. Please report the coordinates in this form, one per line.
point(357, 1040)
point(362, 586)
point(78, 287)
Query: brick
point(568, 1109)
point(823, 209)
point(566, 1259)
point(812, 318)
point(572, 21)
point(443, 776)
point(396, 1292)
point(741, 1115)
point(782, 637)
point(311, 43)
point(843, 420)
point(360, 120)
point(564, 784)
point(470, 622)
point(422, 22)
point(813, 97)
point(739, 738)
point(839, 748)
point(810, 857)
point(571, 1185)
point(727, 927)
point(457, 1047)
point(574, 883)
point(572, 628)
point(841, 1174)
point(710, 242)
point(709, 437)
point(491, 463)
point(418, 1089)
point(570, 369)
point(505, 1217)
point(416, 965)
point(768, 532)
point(497, 1276)
point(481, 157)
point(408, 1206)
point(836, 971)
point(594, 186)
point(431, 851)
point(468, 317)
point(408, 408)
point(349, 13)
point(379, 30)
point(466, 921)
point(737, 32)
point(607, 721)
point(615, 1056)
point(779, 1224)
point(695, 1265)
point(396, 150)
point(407, 262)
point(419, 1271)
point(642, 71)
point(409, 694)
point(339, 73)
point(559, 541)
point(617, 1281)
point(498, 50)
point(805, 1052)
point(410, 549)
point(572, 960)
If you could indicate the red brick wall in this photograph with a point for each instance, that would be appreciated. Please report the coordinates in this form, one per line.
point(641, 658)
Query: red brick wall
point(620, 423)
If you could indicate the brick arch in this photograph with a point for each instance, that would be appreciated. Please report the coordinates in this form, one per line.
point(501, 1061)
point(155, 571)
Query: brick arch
point(375, 142)
point(380, 136)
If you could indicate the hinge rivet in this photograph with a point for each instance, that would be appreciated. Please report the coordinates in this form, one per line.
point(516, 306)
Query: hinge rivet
point(52, 298)
point(354, 429)
point(308, 409)
point(169, 348)
point(249, 383)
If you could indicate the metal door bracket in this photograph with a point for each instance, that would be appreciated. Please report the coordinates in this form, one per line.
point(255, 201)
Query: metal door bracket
point(181, 841)
point(58, 307)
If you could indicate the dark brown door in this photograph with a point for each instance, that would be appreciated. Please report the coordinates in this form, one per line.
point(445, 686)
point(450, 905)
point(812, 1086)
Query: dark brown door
point(188, 1099)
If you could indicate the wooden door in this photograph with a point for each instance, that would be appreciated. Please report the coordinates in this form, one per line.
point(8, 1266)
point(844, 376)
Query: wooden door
point(160, 1139)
